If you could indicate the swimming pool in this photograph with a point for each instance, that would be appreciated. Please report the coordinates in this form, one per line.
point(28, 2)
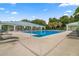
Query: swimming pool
point(39, 33)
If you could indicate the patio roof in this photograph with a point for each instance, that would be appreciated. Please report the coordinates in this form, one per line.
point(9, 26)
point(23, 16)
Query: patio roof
point(20, 23)
point(73, 24)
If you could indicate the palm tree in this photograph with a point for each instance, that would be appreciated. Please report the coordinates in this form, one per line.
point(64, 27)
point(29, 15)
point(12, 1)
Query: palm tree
point(55, 24)
point(50, 25)
point(77, 30)
point(60, 24)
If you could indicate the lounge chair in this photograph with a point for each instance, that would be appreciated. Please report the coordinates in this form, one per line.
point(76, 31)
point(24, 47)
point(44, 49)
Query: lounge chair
point(7, 38)
point(73, 35)
point(5, 33)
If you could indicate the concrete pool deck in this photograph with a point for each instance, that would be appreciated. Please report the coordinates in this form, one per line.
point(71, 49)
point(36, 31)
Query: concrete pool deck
point(53, 45)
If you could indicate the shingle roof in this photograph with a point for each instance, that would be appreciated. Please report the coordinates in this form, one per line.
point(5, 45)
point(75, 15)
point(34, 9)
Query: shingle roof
point(20, 23)
point(73, 24)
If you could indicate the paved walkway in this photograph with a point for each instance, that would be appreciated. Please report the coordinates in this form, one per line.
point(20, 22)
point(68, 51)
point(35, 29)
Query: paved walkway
point(68, 47)
point(14, 49)
point(52, 45)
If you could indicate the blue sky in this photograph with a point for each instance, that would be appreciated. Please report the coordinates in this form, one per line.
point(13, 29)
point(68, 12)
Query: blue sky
point(31, 11)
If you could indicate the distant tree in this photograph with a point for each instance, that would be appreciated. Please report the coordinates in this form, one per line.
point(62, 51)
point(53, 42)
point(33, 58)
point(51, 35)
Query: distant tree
point(53, 19)
point(50, 25)
point(53, 23)
point(71, 19)
point(39, 21)
point(64, 20)
point(76, 11)
point(60, 24)
point(76, 17)
point(25, 20)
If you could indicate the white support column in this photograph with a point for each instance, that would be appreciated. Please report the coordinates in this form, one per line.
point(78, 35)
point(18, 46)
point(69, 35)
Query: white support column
point(67, 27)
point(44, 29)
point(14, 28)
point(24, 27)
point(41, 30)
point(31, 28)
point(0, 26)
point(31, 33)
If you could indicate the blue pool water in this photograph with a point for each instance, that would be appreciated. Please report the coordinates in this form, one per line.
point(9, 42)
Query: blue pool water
point(43, 33)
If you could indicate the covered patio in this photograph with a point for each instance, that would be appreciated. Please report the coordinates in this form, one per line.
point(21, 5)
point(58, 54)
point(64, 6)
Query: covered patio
point(72, 26)
point(18, 25)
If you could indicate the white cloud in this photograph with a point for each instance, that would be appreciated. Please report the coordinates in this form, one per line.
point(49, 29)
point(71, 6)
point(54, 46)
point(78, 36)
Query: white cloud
point(6, 11)
point(65, 14)
point(45, 9)
point(63, 4)
point(2, 8)
point(38, 1)
point(14, 12)
point(69, 11)
point(34, 17)
point(69, 4)
point(13, 3)
point(12, 17)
